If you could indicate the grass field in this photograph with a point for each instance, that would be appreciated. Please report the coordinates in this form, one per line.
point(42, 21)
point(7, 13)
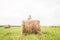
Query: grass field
point(14, 33)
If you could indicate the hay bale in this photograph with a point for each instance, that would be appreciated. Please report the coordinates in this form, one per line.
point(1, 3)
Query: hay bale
point(30, 26)
point(6, 26)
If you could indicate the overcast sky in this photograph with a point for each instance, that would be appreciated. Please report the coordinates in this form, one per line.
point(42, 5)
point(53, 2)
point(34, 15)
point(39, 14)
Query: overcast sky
point(14, 11)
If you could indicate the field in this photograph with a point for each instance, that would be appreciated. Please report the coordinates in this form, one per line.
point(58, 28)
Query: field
point(14, 33)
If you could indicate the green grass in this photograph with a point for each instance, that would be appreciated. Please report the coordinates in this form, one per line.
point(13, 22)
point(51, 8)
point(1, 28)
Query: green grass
point(14, 33)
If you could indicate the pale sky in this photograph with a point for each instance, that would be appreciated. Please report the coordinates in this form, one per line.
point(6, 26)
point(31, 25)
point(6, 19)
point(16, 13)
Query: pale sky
point(14, 11)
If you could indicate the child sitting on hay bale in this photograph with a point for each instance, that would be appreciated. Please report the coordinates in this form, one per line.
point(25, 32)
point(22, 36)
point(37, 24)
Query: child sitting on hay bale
point(30, 26)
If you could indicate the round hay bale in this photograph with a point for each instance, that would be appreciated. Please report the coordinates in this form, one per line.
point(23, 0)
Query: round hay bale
point(31, 26)
point(6, 26)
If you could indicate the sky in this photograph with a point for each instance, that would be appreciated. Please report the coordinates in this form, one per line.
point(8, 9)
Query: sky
point(14, 11)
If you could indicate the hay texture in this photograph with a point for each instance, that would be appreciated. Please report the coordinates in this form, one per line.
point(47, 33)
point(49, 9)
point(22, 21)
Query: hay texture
point(30, 26)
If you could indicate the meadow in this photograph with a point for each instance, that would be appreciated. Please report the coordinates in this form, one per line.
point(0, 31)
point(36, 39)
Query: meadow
point(14, 33)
